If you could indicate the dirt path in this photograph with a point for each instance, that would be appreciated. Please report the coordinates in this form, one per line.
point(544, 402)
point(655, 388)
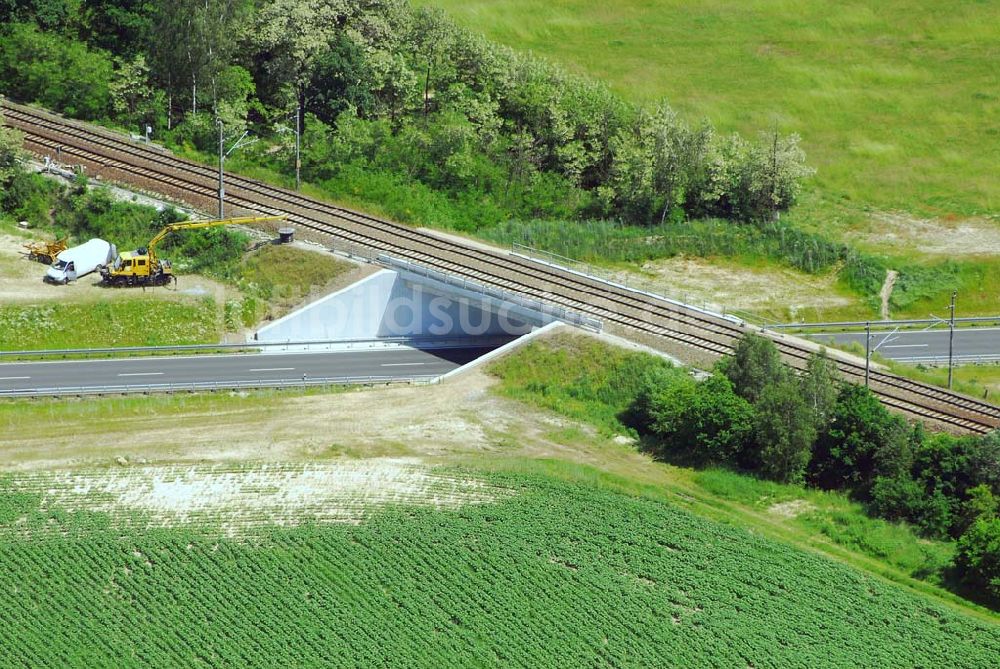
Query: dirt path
point(886, 292)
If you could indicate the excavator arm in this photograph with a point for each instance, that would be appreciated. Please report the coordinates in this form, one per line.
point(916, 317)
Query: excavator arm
point(143, 268)
point(194, 225)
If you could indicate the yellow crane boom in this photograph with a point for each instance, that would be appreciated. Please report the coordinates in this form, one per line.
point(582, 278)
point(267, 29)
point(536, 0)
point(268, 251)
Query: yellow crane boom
point(143, 268)
point(208, 223)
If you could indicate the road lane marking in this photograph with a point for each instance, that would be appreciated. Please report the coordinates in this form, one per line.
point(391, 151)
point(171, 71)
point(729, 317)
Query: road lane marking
point(904, 345)
point(141, 374)
point(13, 378)
point(401, 364)
point(273, 369)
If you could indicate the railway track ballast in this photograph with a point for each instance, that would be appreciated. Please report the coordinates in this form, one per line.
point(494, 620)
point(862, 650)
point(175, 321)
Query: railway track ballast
point(115, 158)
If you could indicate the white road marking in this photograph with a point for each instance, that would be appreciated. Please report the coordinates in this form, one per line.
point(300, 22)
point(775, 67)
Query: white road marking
point(904, 345)
point(273, 369)
point(142, 374)
point(13, 378)
point(402, 364)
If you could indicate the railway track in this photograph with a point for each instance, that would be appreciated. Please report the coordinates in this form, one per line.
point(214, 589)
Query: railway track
point(113, 157)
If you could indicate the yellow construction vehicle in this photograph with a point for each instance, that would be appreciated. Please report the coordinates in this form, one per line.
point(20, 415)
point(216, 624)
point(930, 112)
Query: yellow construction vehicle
point(45, 252)
point(143, 268)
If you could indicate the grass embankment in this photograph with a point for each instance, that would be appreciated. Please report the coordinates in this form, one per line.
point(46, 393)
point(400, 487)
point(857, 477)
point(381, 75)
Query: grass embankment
point(975, 380)
point(552, 574)
point(590, 381)
point(135, 321)
point(893, 105)
point(276, 279)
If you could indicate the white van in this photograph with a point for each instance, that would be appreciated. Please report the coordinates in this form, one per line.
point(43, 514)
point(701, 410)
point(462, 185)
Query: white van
point(81, 260)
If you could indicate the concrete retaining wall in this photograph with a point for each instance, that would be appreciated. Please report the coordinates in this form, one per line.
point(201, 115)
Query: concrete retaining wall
point(397, 304)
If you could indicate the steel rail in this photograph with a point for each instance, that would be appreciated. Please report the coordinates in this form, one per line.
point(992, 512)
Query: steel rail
point(640, 312)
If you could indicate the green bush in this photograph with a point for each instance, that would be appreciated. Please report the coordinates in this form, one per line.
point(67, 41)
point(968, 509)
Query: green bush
point(862, 442)
point(703, 423)
point(784, 430)
point(30, 197)
point(55, 71)
point(754, 365)
point(979, 556)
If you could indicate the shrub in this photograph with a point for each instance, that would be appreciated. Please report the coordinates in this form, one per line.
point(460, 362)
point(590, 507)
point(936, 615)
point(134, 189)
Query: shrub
point(978, 557)
point(754, 365)
point(862, 442)
point(706, 422)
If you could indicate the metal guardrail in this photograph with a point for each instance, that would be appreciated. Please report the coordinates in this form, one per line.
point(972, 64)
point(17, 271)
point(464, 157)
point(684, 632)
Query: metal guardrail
point(62, 391)
point(250, 347)
point(994, 320)
point(973, 359)
point(555, 311)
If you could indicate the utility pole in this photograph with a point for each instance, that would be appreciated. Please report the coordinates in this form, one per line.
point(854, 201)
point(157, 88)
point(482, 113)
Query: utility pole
point(222, 187)
point(951, 336)
point(868, 349)
point(298, 141)
point(222, 161)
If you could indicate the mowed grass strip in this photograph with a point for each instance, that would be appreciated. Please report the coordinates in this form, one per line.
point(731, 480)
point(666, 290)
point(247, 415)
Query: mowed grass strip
point(133, 321)
point(555, 575)
point(895, 100)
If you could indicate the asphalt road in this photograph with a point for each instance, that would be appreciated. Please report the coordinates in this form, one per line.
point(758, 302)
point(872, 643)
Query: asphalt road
point(233, 369)
point(971, 344)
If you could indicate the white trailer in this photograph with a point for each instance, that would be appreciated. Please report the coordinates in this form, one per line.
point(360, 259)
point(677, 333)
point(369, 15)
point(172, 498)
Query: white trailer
point(80, 260)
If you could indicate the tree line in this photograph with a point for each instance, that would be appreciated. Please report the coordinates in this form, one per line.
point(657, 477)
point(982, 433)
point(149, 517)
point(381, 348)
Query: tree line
point(382, 88)
point(752, 413)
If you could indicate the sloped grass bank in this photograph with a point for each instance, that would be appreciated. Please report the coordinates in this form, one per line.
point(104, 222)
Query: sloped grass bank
point(134, 321)
point(594, 382)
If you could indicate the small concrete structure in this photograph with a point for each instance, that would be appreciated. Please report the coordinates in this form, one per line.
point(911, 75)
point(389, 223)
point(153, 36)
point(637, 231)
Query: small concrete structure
point(395, 304)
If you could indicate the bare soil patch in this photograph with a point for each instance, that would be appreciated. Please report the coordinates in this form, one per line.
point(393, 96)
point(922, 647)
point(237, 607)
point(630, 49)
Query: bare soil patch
point(902, 232)
point(719, 286)
point(440, 422)
point(237, 500)
point(886, 292)
point(791, 509)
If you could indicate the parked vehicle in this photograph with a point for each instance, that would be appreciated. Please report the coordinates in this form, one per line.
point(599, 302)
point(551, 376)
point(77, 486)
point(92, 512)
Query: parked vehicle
point(45, 252)
point(143, 267)
point(81, 260)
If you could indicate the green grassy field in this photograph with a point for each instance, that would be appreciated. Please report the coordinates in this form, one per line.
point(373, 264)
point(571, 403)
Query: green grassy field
point(551, 574)
point(132, 321)
point(893, 100)
point(894, 103)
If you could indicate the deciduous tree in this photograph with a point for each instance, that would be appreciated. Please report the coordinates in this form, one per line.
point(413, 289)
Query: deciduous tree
point(784, 430)
point(754, 365)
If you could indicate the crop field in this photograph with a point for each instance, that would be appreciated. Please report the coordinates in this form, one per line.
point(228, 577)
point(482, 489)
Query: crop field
point(551, 574)
point(893, 100)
